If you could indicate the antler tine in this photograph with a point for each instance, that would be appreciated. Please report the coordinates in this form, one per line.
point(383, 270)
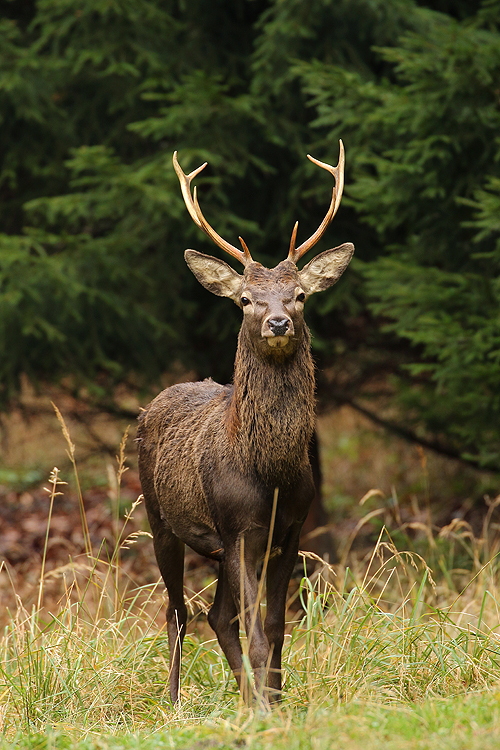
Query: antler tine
point(194, 210)
point(245, 249)
point(185, 182)
point(291, 251)
point(294, 253)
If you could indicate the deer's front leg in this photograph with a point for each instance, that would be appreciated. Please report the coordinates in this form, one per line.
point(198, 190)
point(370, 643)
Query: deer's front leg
point(242, 559)
point(223, 618)
point(279, 571)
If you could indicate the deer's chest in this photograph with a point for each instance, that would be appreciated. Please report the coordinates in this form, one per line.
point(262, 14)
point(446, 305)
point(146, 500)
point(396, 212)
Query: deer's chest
point(244, 500)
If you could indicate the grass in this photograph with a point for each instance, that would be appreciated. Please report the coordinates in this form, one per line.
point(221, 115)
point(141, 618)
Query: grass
point(383, 652)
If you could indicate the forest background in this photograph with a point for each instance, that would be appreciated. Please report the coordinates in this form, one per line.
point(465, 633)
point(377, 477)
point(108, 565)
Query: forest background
point(96, 97)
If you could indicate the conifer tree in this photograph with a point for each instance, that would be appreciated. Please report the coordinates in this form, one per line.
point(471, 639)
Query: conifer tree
point(95, 99)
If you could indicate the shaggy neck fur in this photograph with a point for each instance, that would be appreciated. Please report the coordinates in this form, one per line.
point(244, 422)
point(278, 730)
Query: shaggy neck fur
point(270, 416)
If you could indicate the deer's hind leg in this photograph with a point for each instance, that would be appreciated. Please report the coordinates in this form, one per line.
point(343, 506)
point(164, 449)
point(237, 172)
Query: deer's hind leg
point(172, 570)
point(169, 551)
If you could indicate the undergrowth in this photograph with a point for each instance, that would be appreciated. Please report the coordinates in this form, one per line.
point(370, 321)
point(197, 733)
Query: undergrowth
point(386, 632)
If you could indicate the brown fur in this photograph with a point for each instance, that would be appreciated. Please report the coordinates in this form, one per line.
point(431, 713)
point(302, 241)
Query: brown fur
point(211, 457)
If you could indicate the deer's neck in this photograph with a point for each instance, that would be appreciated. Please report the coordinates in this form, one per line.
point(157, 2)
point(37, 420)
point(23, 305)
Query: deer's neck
point(270, 416)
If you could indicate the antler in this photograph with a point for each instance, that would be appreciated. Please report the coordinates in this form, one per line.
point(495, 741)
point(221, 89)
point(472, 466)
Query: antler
point(294, 253)
point(194, 209)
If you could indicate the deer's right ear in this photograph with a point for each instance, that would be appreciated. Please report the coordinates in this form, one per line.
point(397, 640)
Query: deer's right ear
point(215, 275)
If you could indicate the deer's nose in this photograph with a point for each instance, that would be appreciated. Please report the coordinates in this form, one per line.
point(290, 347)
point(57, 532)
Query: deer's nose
point(278, 326)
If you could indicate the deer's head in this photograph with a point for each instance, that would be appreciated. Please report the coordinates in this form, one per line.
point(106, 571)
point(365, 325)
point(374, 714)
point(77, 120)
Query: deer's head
point(272, 299)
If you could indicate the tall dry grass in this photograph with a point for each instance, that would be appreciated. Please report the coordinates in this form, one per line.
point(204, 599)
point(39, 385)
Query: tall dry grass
point(392, 628)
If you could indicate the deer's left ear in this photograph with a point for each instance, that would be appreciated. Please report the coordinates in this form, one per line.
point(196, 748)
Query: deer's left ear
point(326, 268)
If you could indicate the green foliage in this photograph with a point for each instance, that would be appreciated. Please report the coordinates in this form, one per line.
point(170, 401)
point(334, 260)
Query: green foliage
point(94, 99)
point(426, 169)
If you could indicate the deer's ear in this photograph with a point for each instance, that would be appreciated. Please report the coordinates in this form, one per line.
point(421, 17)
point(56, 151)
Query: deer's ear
point(215, 275)
point(326, 268)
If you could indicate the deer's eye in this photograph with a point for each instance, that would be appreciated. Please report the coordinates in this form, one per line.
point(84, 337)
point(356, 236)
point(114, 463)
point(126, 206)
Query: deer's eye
point(245, 301)
point(301, 297)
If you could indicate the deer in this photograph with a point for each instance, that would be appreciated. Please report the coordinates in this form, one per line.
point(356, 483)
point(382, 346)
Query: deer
point(225, 469)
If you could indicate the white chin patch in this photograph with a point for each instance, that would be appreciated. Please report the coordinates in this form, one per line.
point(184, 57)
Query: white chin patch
point(277, 342)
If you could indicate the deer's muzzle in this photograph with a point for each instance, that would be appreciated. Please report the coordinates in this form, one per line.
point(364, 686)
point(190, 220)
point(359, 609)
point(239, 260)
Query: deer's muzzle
point(277, 330)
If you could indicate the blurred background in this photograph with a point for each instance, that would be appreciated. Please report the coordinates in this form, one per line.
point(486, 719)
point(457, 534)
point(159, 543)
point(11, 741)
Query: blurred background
point(98, 310)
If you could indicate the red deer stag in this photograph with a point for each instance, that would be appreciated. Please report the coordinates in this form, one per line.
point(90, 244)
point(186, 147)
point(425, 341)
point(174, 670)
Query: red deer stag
point(213, 458)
